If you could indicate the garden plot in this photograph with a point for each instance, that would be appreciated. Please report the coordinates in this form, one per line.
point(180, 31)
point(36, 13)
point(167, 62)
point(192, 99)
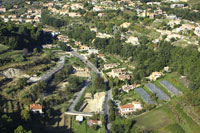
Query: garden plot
point(159, 93)
point(144, 95)
point(173, 90)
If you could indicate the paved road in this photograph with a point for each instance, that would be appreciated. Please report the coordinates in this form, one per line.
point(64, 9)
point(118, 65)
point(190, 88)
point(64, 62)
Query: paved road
point(50, 73)
point(106, 109)
point(78, 96)
point(108, 92)
point(74, 53)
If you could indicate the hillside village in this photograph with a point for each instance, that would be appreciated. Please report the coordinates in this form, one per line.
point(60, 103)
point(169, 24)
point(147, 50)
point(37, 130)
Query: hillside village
point(100, 66)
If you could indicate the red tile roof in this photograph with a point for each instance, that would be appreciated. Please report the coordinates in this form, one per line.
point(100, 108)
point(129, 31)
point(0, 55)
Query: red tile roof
point(35, 106)
point(127, 106)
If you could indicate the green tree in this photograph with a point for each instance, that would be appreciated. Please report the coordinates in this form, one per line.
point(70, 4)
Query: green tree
point(98, 83)
point(20, 129)
point(25, 114)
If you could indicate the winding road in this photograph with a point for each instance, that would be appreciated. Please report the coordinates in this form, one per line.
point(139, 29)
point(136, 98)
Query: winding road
point(50, 73)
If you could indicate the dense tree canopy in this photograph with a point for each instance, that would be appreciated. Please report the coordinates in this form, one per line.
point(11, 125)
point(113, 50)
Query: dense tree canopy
point(22, 36)
point(51, 20)
point(82, 34)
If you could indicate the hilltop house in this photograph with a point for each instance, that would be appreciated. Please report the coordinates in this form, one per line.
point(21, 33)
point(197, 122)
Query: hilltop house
point(172, 16)
point(187, 27)
point(125, 25)
point(129, 108)
point(124, 77)
point(117, 72)
point(133, 40)
point(63, 38)
point(49, 46)
point(177, 5)
point(93, 29)
point(154, 76)
point(97, 8)
point(197, 31)
point(103, 35)
point(84, 47)
point(74, 14)
point(36, 108)
point(172, 23)
point(127, 87)
point(109, 66)
point(102, 56)
point(79, 118)
point(94, 122)
point(76, 6)
point(2, 9)
point(93, 51)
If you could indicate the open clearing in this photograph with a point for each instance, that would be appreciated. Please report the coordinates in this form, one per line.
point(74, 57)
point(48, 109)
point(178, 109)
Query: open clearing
point(95, 104)
point(83, 128)
point(154, 120)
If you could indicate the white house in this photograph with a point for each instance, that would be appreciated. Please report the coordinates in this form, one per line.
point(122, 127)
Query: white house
point(74, 14)
point(172, 16)
point(133, 40)
point(130, 108)
point(79, 118)
point(117, 72)
point(197, 31)
point(109, 66)
point(177, 5)
point(76, 6)
point(125, 25)
point(2, 9)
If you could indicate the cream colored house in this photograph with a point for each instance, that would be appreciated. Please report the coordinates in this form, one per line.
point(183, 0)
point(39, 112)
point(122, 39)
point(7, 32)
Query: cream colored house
point(133, 40)
point(125, 25)
point(127, 87)
point(130, 108)
point(109, 66)
point(154, 76)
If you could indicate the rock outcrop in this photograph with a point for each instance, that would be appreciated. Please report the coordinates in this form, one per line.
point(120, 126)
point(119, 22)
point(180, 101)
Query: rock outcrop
point(14, 73)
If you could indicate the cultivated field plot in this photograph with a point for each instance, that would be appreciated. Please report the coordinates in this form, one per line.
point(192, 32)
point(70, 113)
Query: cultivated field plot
point(172, 89)
point(144, 95)
point(159, 93)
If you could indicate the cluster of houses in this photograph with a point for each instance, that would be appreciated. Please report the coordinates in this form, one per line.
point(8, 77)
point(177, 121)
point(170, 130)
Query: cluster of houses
point(119, 73)
point(31, 15)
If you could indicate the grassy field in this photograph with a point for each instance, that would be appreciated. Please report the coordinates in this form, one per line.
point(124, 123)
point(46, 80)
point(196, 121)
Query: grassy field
point(163, 120)
point(169, 118)
point(154, 120)
point(83, 128)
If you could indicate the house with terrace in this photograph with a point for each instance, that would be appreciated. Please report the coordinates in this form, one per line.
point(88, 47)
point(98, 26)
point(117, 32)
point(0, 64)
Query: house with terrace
point(130, 108)
point(126, 88)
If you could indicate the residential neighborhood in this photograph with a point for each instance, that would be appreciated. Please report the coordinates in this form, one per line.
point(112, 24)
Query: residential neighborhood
point(100, 66)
